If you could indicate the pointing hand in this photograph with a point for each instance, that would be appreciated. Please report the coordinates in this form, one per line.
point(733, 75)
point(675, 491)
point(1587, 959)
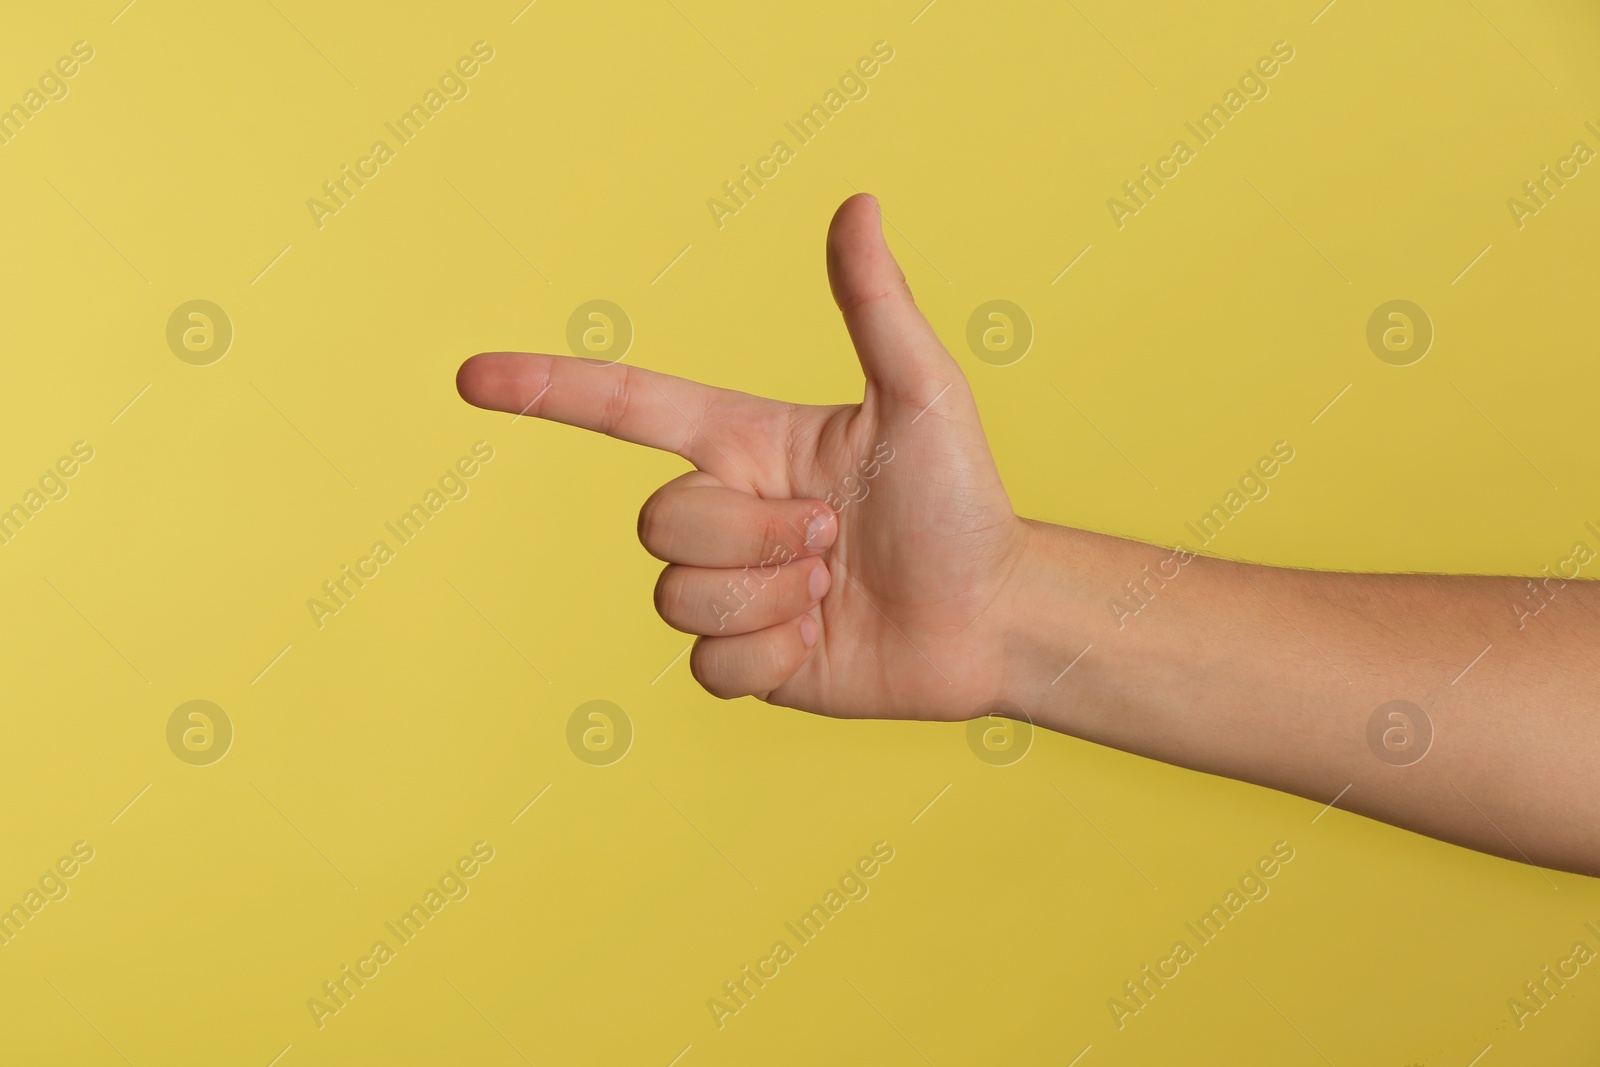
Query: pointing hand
point(851, 559)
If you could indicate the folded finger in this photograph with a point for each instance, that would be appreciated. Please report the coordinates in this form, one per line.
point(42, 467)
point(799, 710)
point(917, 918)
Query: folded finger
point(695, 520)
point(723, 602)
point(756, 663)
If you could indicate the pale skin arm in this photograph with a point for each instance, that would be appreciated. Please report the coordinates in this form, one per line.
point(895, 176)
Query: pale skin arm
point(919, 593)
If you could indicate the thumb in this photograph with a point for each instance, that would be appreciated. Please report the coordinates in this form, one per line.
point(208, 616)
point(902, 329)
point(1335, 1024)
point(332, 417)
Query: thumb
point(899, 351)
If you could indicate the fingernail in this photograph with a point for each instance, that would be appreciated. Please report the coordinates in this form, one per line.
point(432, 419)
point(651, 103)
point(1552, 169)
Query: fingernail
point(819, 581)
point(819, 531)
point(873, 201)
point(808, 630)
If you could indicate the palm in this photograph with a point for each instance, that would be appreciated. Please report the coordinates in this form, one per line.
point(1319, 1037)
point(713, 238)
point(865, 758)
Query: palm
point(926, 536)
point(923, 547)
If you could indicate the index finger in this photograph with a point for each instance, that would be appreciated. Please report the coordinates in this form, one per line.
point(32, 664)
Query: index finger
point(629, 403)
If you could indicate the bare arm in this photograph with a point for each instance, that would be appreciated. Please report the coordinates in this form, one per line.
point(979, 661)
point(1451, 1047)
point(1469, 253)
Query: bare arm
point(863, 560)
point(1465, 708)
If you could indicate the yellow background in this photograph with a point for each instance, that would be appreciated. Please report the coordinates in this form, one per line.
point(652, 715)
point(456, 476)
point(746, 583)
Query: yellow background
point(423, 718)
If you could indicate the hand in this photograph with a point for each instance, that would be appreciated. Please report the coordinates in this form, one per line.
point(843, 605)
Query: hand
point(934, 600)
point(855, 560)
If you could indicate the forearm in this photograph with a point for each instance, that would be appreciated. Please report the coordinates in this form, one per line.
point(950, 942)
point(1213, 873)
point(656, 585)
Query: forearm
point(1272, 676)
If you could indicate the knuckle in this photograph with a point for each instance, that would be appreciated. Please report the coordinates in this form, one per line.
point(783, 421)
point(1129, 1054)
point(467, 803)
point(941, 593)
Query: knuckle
point(655, 525)
point(704, 666)
point(669, 596)
point(614, 409)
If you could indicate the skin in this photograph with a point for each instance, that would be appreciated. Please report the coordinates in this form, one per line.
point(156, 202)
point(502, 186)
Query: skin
point(916, 592)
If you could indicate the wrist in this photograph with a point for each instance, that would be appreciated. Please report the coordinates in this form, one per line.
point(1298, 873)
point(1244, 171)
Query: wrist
point(1073, 655)
point(1048, 616)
